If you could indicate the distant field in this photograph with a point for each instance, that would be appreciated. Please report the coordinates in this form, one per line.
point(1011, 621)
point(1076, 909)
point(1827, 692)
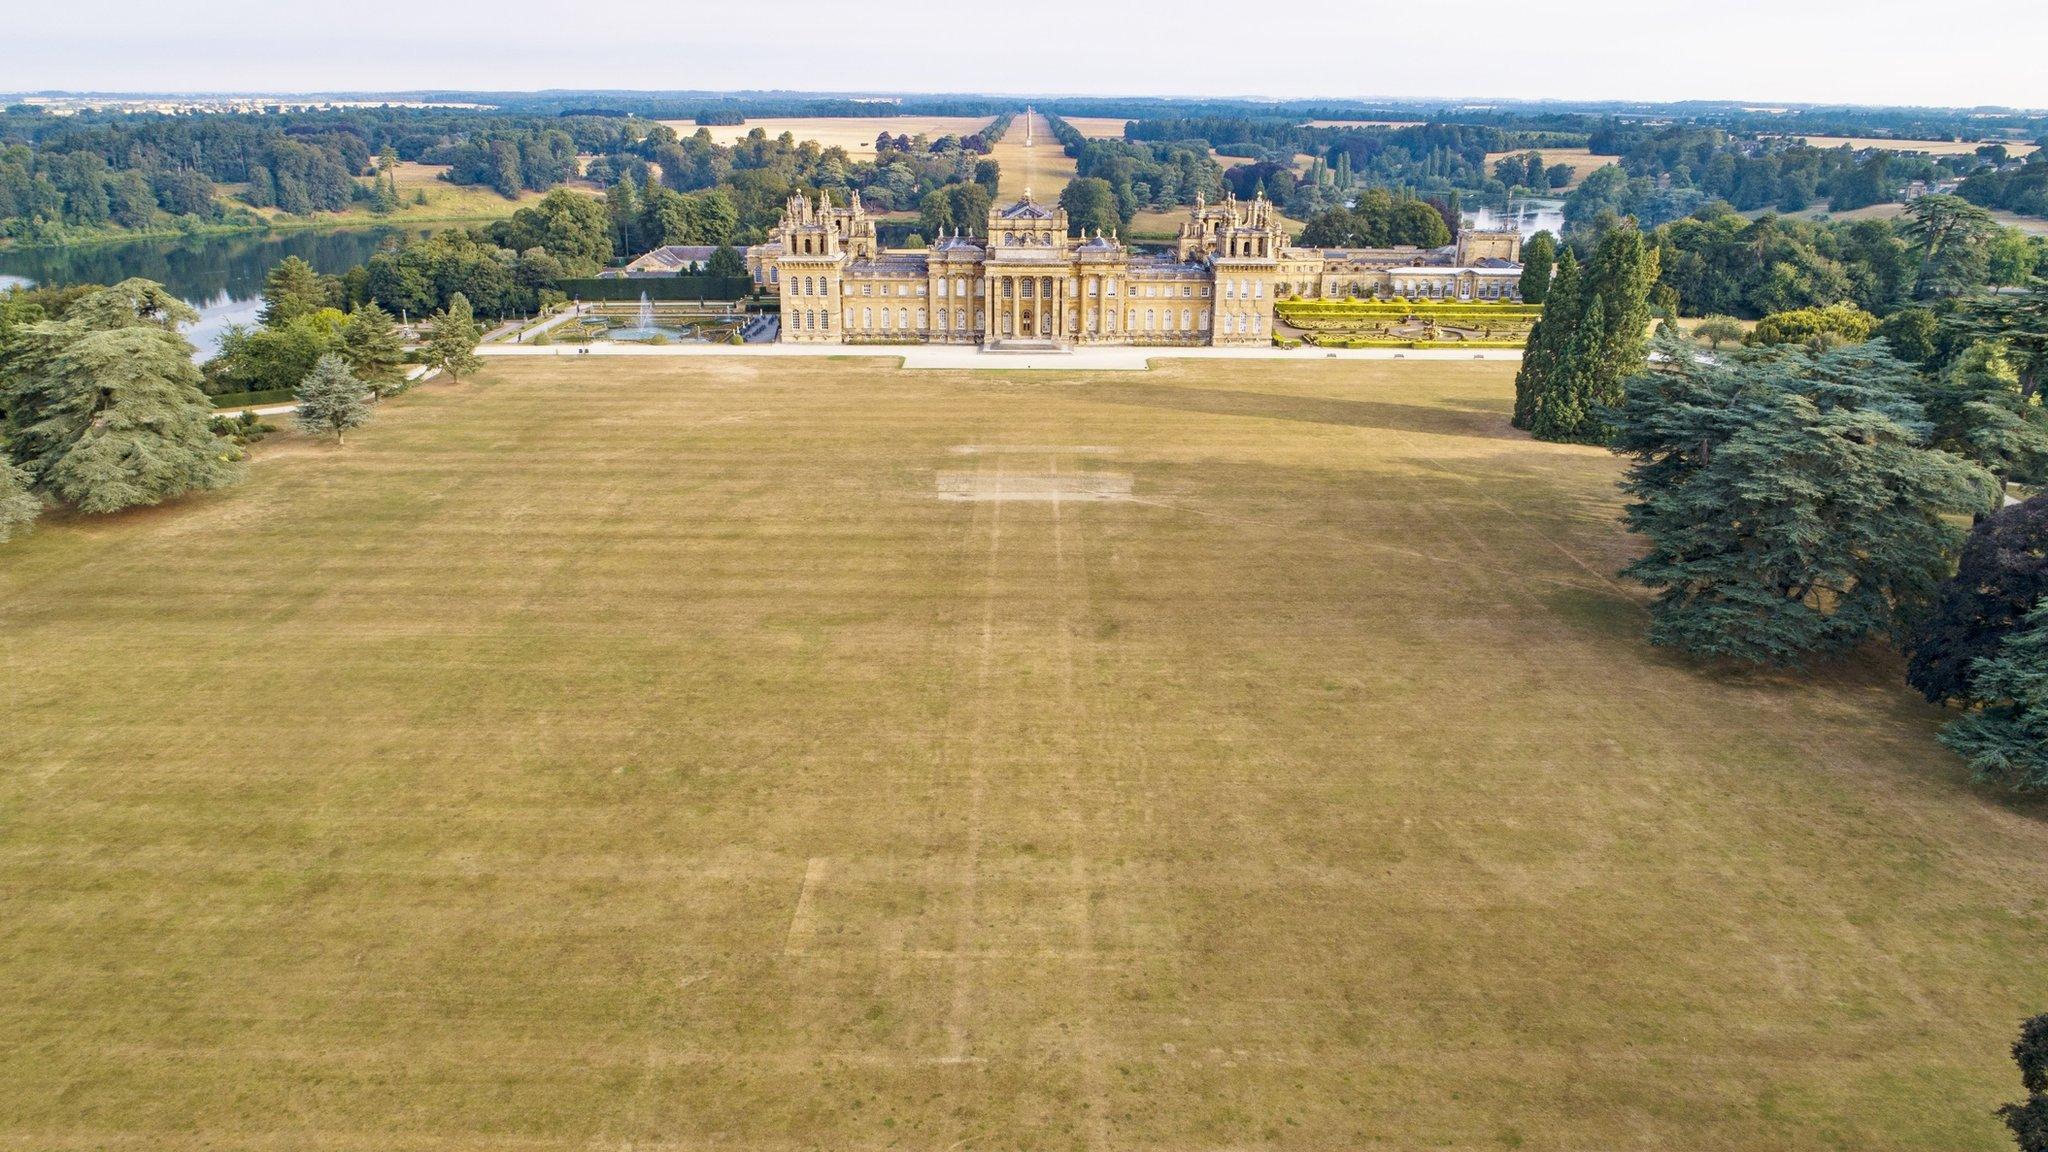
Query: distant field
point(1582, 161)
point(445, 201)
point(1099, 127)
point(856, 134)
point(2032, 225)
point(696, 755)
point(1935, 147)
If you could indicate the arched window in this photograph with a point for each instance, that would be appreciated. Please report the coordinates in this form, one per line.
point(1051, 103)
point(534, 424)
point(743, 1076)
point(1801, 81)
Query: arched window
point(1187, 320)
point(885, 319)
point(903, 317)
point(825, 321)
point(920, 318)
point(867, 319)
point(980, 318)
point(1149, 325)
point(1230, 325)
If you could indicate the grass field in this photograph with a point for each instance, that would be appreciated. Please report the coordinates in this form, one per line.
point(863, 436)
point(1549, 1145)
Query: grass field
point(1931, 147)
point(1099, 127)
point(1582, 161)
point(1044, 168)
point(2032, 225)
point(643, 754)
point(856, 134)
point(449, 203)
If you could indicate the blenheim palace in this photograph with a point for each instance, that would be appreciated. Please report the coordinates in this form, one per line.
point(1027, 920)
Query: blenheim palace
point(1026, 284)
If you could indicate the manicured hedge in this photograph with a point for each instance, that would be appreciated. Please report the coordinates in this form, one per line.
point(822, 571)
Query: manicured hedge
point(1375, 310)
point(659, 288)
point(1368, 342)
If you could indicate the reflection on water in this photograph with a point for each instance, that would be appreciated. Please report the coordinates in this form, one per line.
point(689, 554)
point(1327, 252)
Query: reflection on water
point(1526, 216)
point(221, 276)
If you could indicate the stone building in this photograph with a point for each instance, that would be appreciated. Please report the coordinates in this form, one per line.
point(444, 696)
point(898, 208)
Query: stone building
point(1027, 284)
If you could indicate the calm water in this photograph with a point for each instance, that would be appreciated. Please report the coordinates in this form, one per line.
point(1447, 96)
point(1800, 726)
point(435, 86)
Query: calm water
point(1530, 217)
point(221, 276)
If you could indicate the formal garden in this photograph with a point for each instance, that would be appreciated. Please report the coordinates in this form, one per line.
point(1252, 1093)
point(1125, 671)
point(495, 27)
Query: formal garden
point(1401, 323)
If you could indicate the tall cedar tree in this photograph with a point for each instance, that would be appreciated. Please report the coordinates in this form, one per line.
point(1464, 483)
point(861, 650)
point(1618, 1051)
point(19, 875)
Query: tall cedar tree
point(19, 507)
point(104, 407)
point(1791, 507)
point(2006, 739)
point(1549, 338)
point(331, 399)
point(373, 348)
point(1595, 340)
point(1539, 260)
point(2002, 575)
point(1975, 411)
point(453, 346)
point(291, 290)
point(2017, 320)
point(2028, 1120)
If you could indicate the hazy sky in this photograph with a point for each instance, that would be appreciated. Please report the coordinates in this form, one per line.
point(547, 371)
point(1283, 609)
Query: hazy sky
point(1947, 52)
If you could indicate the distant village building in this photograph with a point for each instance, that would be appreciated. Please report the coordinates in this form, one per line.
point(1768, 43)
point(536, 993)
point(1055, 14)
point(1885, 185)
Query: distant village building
point(1028, 284)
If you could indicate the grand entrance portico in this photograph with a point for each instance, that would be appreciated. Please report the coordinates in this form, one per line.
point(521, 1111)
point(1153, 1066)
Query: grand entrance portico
point(1030, 305)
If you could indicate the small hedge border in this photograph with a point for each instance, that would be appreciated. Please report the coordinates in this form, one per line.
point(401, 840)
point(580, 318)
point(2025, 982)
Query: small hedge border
point(1364, 342)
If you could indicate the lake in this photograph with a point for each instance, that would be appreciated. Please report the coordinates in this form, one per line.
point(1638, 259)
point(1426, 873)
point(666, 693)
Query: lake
point(1530, 217)
point(221, 276)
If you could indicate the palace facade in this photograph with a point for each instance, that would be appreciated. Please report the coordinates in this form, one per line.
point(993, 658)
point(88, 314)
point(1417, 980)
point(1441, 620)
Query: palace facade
point(1027, 284)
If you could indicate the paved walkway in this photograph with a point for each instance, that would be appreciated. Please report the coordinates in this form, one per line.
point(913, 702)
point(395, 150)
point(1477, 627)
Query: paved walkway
point(956, 358)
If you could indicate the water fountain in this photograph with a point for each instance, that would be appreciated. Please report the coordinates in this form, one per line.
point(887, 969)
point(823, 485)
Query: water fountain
point(644, 327)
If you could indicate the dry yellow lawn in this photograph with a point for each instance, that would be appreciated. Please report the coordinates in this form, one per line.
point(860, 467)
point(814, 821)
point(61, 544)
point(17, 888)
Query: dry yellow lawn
point(1934, 147)
point(641, 753)
point(856, 134)
point(1044, 168)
